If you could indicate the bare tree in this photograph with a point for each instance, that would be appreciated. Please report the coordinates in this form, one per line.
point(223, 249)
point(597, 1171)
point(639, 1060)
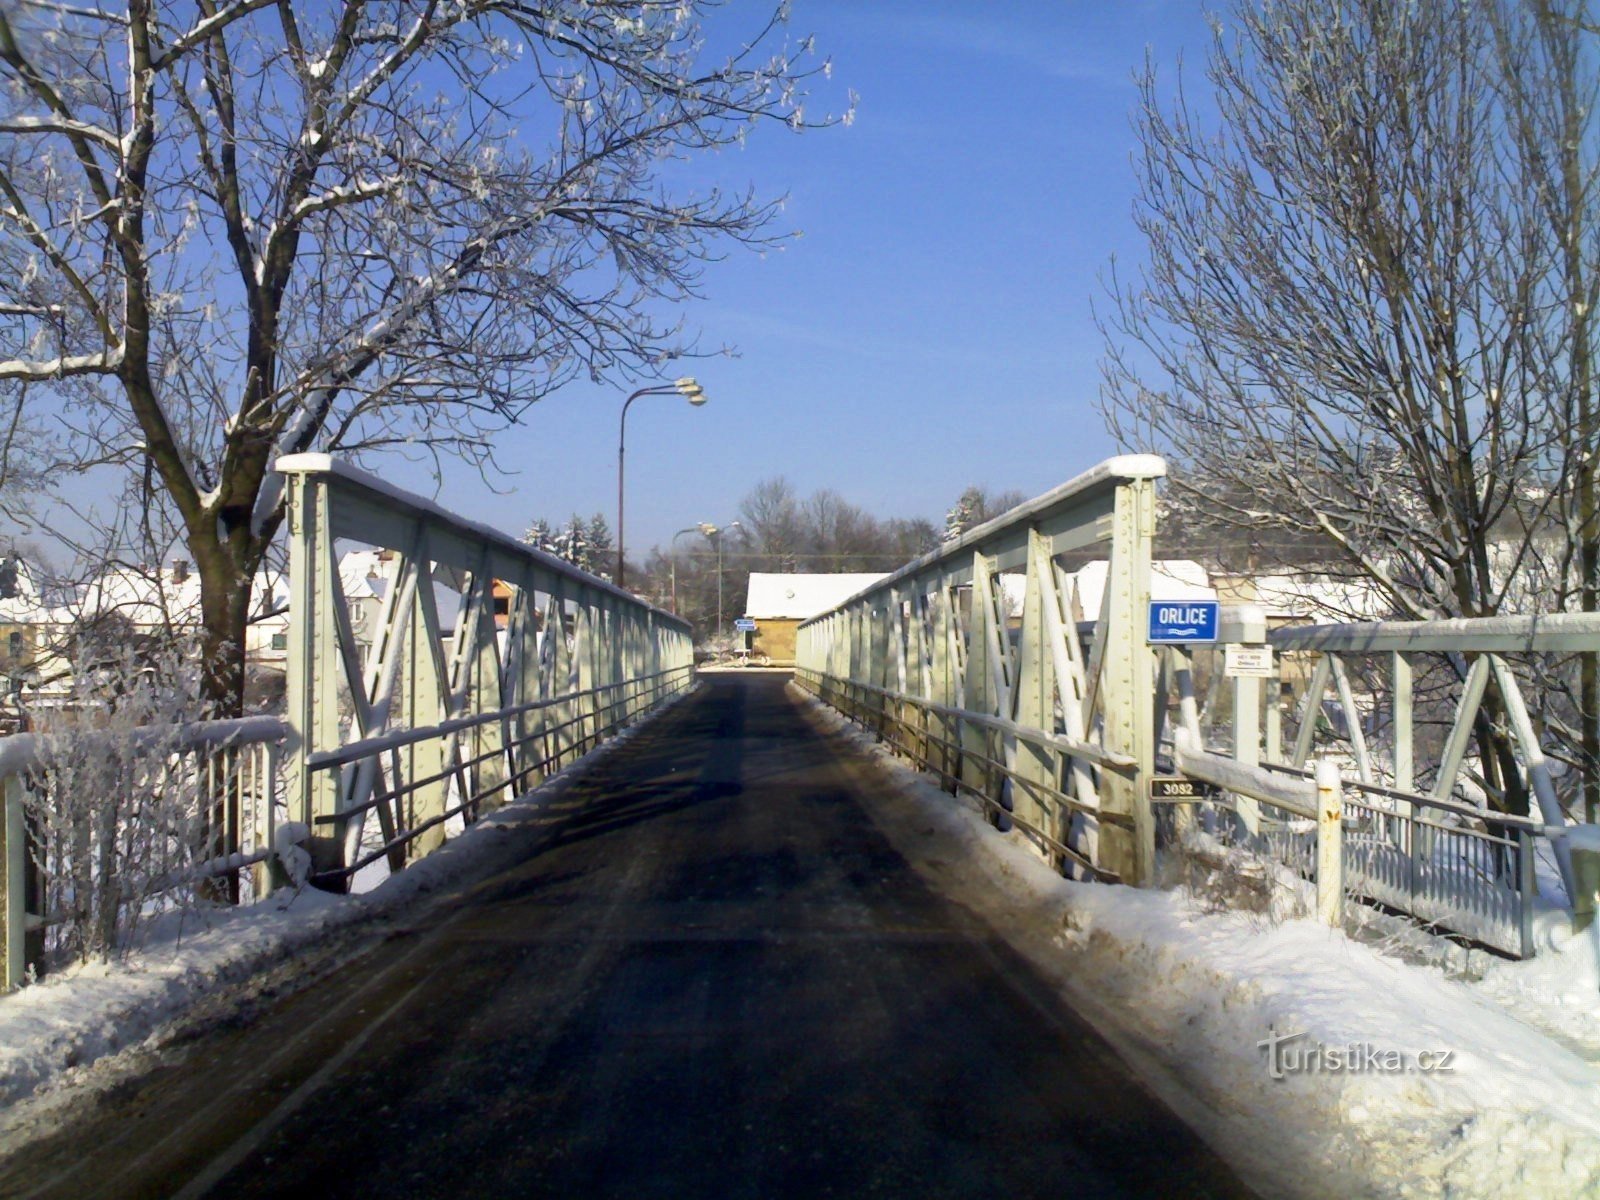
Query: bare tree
point(262, 226)
point(1364, 317)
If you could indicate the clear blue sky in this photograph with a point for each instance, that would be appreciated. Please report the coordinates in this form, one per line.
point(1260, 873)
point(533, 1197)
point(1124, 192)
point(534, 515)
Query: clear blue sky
point(932, 328)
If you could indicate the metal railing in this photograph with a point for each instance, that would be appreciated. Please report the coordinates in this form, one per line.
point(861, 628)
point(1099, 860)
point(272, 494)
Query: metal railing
point(1044, 734)
point(173, 807)
point(536, 754)
point(390, 739)
point(1051, 722)
point(543, 662)
point(1463, 868)
point(932, 736)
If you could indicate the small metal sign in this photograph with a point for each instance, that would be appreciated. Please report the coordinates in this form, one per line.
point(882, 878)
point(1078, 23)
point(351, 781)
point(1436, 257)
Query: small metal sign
point(1176, 788)
point(1247, 662)
point(1181, 622)
point(744, 624)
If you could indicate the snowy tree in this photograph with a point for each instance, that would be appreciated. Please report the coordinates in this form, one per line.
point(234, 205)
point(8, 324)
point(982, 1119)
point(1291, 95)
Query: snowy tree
point(1366, 316)
point(572, 543)
point(975, 506)
point(539, 536)
point(602, 550)
point(248, 229)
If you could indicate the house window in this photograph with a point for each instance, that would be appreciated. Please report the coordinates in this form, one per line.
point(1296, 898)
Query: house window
point(280, 641)
point(14, 645)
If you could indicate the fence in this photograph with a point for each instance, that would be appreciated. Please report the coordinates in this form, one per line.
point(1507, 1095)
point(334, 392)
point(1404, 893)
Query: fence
point(1439, 853)
point(469, 667)
point(163, 797)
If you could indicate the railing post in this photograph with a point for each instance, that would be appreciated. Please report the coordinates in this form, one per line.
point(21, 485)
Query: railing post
point(1330, 844)
point(14, 865)
point(1525, 891)
point(1126, 687)
point(312, 697)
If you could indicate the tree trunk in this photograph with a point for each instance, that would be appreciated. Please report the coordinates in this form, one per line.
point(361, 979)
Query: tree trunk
point(224, 616)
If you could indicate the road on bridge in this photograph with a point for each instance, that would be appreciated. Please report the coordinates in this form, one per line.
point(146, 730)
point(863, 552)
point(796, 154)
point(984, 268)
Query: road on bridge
point(710, 975)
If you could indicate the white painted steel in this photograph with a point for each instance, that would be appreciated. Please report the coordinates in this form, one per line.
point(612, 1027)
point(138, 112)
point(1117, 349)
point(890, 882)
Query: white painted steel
point(1017, 716)
point(487, 712)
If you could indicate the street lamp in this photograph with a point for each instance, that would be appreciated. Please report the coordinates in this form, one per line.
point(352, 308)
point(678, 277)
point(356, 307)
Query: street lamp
point(714, 535)
point(672, 559)
point(685, 387)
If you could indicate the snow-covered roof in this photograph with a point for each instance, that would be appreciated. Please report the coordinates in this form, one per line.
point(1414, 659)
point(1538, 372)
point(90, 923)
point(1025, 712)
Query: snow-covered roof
point(364, 574)
point(1170, 579)
point(1316, 597)
point(24, 606)
point(796, 597)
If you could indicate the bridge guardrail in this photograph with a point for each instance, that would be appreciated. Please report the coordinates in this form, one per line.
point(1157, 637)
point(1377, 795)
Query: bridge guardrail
point(934, 638)
point(409, 727)
point(544, 661)
point(200, 769)
point(1459, 867)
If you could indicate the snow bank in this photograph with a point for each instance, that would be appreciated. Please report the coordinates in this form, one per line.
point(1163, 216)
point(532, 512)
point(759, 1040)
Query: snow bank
point(1494, 1089)
point(55, 1028)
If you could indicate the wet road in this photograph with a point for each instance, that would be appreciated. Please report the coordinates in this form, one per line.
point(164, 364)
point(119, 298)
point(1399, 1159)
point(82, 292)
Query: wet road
point(711, 976)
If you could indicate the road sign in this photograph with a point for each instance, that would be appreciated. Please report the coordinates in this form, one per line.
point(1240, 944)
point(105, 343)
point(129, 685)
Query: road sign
point(1247, 662)
point(744, 624)
point(1179, 622)
point(1176, 788)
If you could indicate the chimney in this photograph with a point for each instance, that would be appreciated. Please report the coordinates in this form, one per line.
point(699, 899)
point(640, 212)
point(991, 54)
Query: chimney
point(180, 570)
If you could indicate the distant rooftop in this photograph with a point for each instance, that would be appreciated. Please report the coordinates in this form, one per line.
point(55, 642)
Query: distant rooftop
point(797, 597)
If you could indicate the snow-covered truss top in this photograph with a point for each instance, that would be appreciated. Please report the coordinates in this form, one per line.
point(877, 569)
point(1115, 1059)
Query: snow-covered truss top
point(1053, 738)
point(544, 660)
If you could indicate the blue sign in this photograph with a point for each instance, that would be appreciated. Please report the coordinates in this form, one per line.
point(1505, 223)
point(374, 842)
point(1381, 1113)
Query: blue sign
point(1176, 622)
point(744, 625)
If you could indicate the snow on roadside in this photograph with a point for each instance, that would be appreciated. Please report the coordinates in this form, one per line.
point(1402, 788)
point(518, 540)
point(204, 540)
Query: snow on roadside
point(1200, 1001)
point(58, 1026)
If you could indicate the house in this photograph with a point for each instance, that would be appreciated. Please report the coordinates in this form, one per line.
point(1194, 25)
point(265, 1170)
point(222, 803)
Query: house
point(778, 603)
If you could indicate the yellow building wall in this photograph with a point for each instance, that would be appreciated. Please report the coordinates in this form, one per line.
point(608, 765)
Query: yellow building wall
point(775, 637)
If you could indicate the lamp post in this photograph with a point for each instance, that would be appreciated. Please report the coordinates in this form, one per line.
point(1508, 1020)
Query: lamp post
point(673, 560)
point(715, 535)
point(685, 387)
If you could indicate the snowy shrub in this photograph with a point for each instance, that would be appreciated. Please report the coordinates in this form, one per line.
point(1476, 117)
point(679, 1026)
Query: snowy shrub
point(121, 817)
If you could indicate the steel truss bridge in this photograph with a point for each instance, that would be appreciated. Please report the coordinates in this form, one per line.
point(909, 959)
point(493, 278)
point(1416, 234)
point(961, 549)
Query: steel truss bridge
point(711, 906)
point(1055, 721)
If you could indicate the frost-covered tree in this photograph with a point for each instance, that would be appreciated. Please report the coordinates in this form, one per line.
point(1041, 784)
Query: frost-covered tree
point(975, 506)
point(238, 229)
point(1367, 313)
point(539, 536)
point(572, 543)
point(602, 549)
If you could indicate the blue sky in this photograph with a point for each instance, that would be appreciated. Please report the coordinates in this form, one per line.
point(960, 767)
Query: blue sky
point(933, 326)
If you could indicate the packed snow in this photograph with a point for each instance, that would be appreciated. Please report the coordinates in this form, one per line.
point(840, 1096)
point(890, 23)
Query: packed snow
point(1403, 1073)
point(56, 1028)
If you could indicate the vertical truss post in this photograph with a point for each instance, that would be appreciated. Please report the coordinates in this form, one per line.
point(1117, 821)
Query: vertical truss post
point(14, 882)
point(1127, 689)
point(1035, 689)
point(311, 686)
point(423, 703)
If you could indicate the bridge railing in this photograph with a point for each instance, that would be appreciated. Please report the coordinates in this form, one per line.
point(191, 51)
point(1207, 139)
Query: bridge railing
point(470, 667)
point(1435, 850)
point(440, 726)
point(73, 867)
point(1057, 723)
point(1043, 733)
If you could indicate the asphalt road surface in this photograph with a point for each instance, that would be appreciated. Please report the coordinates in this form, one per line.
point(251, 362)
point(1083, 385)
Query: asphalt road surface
point(710, 976)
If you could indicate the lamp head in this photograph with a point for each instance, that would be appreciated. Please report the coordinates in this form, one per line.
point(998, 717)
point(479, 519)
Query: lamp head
point(690, 390)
